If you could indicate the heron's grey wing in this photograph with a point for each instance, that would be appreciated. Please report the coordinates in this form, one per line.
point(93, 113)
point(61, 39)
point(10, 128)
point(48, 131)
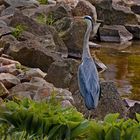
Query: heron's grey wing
point(89, 83)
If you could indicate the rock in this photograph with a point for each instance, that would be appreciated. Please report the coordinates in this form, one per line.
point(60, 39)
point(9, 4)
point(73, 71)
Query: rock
point(110, 102)
point(134, 29)
point(7, 41)
point(114, 14)
point(2, 7)
point(5, 31)
point(62, 25)
point(22, 3)
point(130, 102)
point(26, 89)
point(46, 93)
point(1, 2)
point(51, 2)
point(133, 110)
point(60, 73)
point(3, 91)
point(136, 8)
point(31, 50)
point(2, 24)
point(114, 33)
point(46, 35)
point(72, 32)
point(6, 61)
point(36, 72)
point(66, 103)
point(71, 3)
point(58, 12)
point(73, 38)
point(9, 80)
point(29, 74)
point(38, 89)
point(11, 68)
point(8, 11)
point(85, 8)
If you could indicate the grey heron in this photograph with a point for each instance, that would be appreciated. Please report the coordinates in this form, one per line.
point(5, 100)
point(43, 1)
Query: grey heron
point(88, 79)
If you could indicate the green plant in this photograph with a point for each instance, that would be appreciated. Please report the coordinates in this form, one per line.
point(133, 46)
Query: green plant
point(41, 18)
point(43, 1)
point(18, 31)
point(32, 120)
point(40, 118)
point(50, 19)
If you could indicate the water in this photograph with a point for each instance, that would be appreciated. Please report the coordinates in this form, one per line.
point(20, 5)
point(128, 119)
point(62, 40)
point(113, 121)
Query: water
point(123, 62)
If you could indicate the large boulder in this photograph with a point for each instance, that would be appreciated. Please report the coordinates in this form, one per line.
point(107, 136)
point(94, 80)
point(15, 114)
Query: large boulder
point(112, 13)
point(135, 30)
point(85, 8)
point(73, 36)
point(114, 33)
point(31, 54)
point(110, 102)
point(60, 73)
point(59, 11)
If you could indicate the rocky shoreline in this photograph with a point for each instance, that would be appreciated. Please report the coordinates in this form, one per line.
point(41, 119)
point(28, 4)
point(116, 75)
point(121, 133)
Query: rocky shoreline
point(47, 40)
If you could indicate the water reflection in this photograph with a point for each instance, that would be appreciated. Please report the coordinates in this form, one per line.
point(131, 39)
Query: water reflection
point(123, 64)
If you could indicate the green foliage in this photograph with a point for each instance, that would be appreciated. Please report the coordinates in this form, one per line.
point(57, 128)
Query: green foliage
point(47, 120)
point(50, 19)
point(18, 31)
point(43, 1)
point(41, 18)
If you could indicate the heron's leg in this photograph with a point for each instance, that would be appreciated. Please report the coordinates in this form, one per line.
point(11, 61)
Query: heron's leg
point(100, 94)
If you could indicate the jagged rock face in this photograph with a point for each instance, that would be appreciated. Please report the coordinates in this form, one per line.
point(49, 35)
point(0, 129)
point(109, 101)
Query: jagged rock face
point(112, 13)
point(114, 33)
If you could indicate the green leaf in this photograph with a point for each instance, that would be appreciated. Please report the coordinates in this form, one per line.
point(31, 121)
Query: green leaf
point(111, 118)
point(97, 131)
point(81, 130)
point(53, 132)
point(114, 133)
point(138, 117)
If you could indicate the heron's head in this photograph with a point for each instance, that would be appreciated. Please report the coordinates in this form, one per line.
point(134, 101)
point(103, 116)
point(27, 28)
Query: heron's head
point(89, 21)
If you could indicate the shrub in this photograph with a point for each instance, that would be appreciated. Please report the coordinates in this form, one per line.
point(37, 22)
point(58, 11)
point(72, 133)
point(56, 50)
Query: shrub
point(48, 120)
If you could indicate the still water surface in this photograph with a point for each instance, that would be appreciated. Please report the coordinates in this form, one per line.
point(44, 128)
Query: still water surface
point(123, 63)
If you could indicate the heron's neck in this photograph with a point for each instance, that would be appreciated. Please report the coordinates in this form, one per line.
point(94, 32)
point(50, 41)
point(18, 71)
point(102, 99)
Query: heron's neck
point(86, 51)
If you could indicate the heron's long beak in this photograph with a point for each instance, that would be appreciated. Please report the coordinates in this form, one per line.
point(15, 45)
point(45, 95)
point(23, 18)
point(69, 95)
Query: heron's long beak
point(99, 21)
